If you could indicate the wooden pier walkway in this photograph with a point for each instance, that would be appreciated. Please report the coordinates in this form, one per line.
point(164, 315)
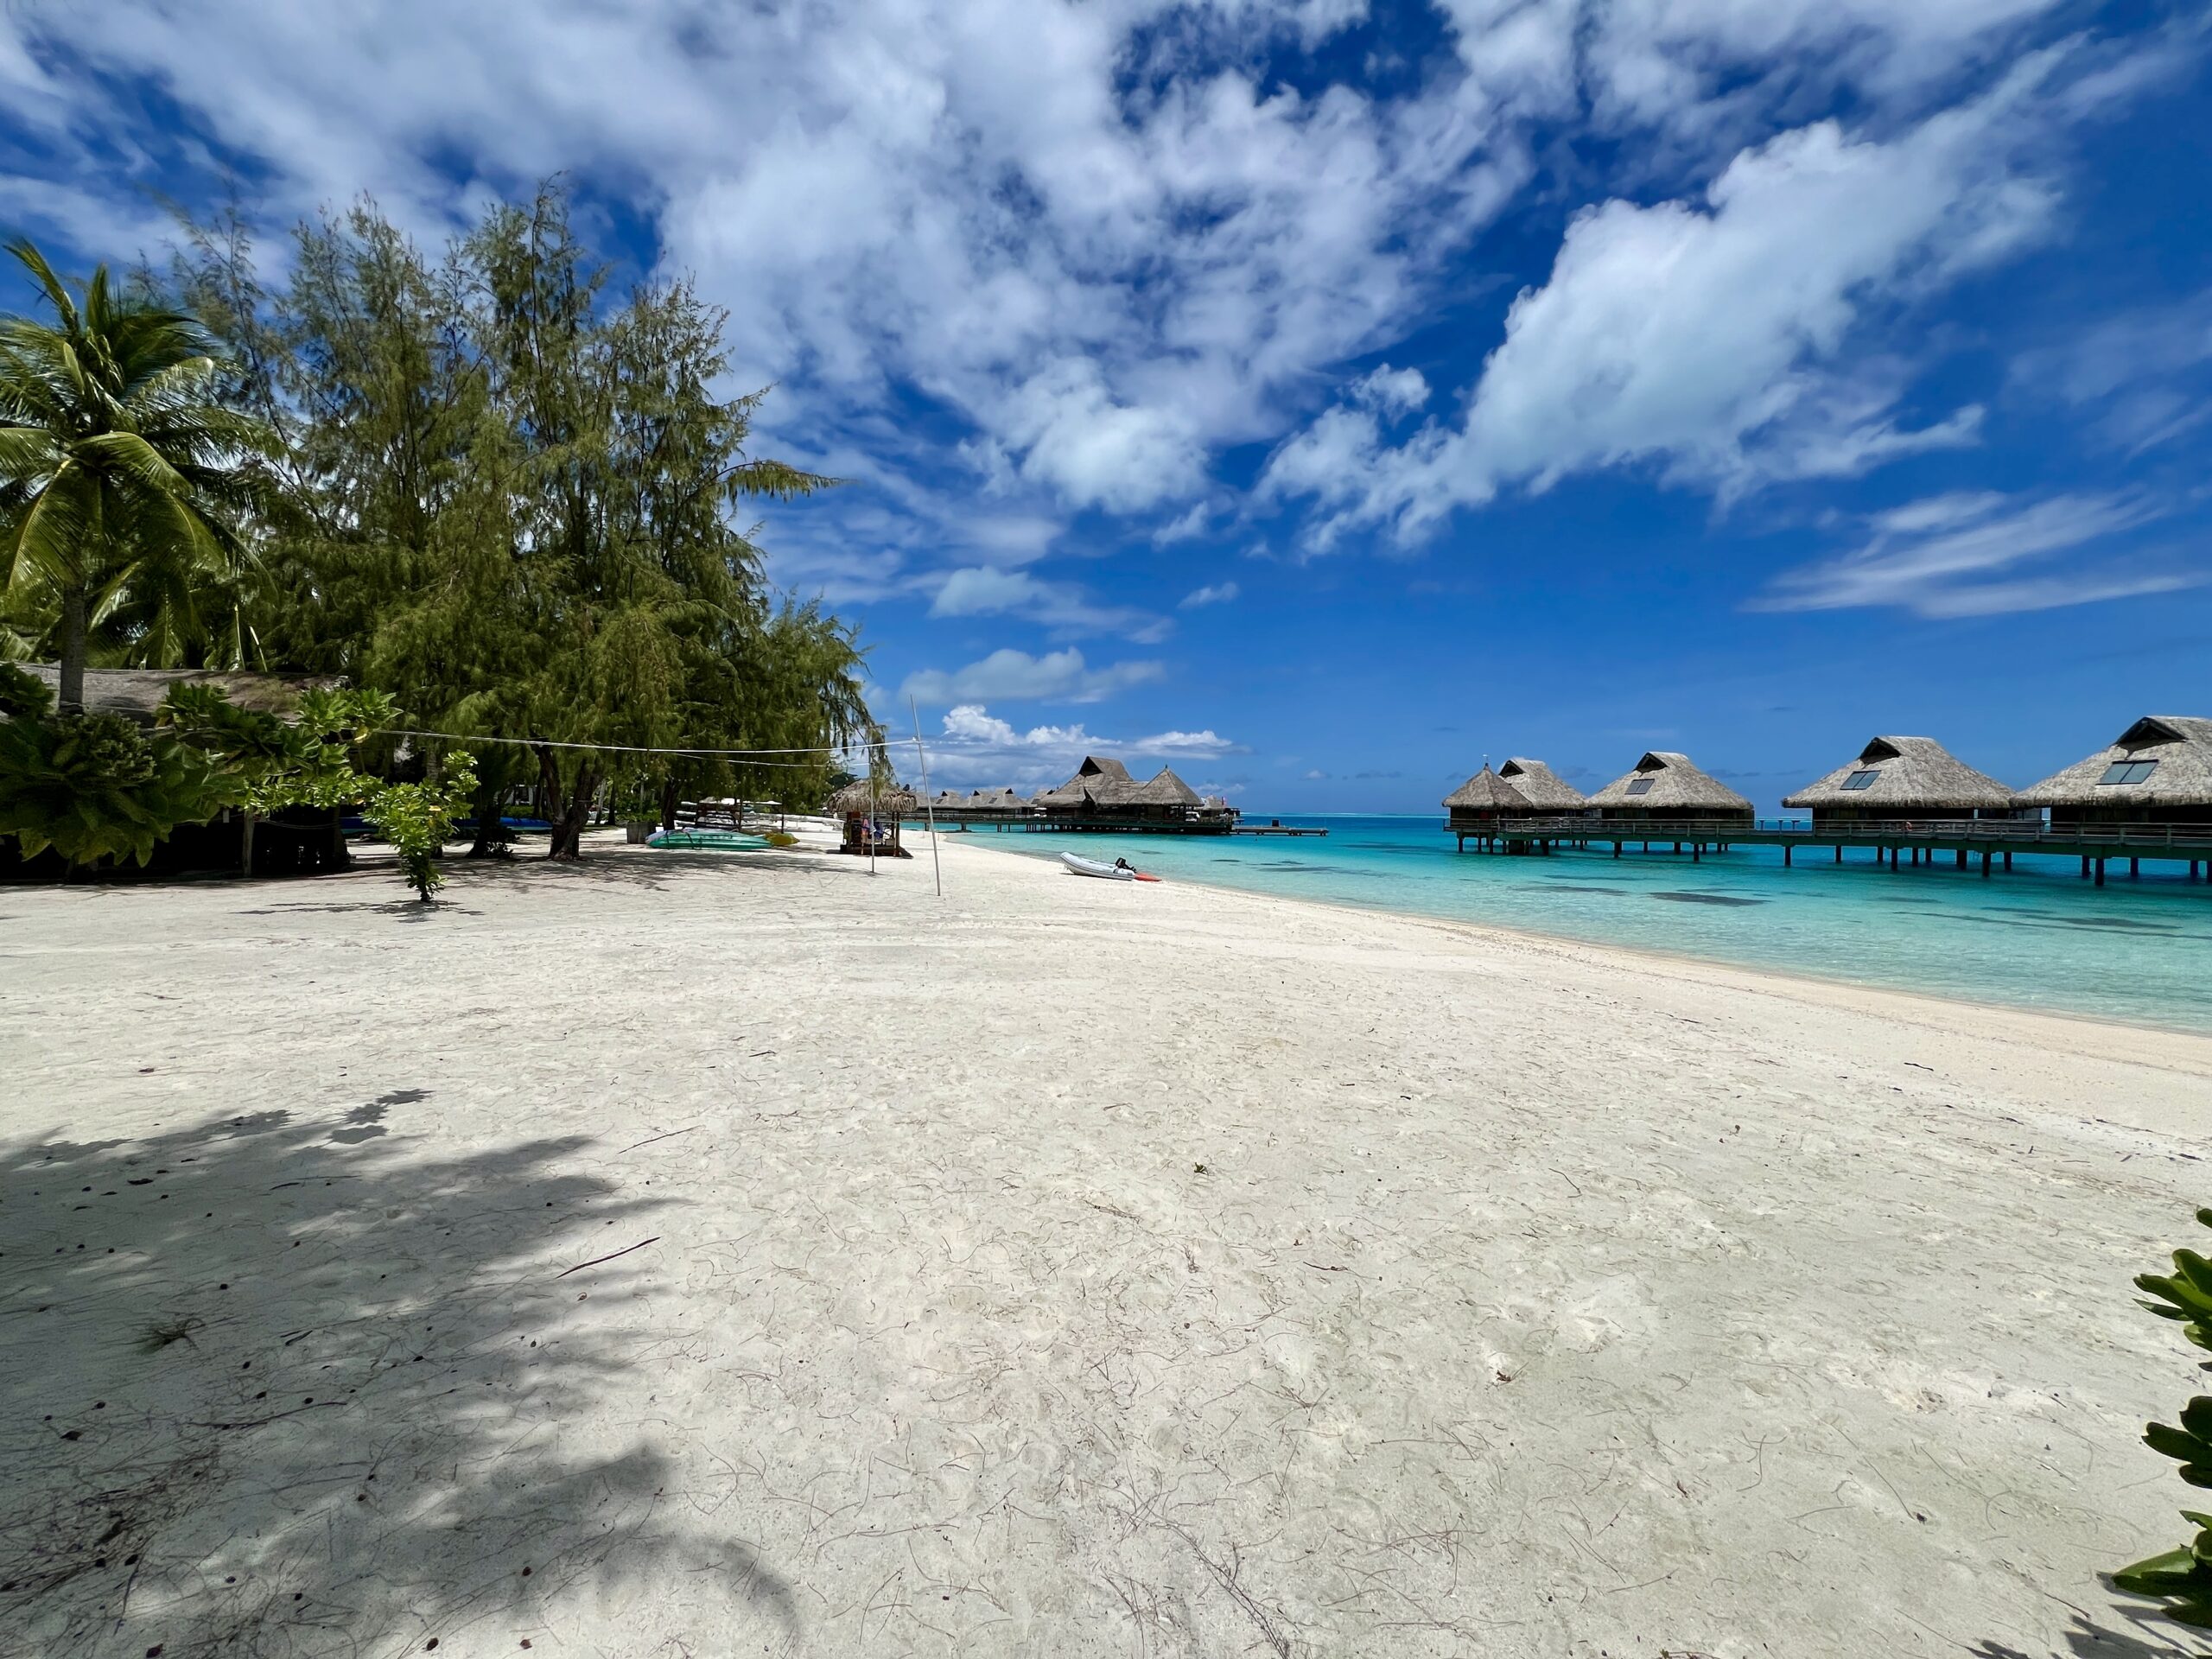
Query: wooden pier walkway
point(1992, 841)
point(965, 821)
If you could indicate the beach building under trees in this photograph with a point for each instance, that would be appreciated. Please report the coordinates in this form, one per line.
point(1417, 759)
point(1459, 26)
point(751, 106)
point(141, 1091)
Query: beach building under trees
point(1896, 778)
point(2157, 771)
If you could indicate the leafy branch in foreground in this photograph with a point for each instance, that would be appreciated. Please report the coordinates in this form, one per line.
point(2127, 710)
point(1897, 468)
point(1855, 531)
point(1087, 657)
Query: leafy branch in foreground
point(2181, 1578)
point(417, 819)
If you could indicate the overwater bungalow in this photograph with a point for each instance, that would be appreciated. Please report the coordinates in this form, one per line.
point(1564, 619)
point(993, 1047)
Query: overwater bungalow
point(1103, 795)
point(1901, 779)
point(1665, 788)
point(2158, 771)
point(1543, 788)
point(1477, 805)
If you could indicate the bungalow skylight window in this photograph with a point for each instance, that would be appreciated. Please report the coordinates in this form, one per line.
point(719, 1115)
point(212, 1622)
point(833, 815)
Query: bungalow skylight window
point(1641, 786)
point(1863, 778)
point(2128, 771)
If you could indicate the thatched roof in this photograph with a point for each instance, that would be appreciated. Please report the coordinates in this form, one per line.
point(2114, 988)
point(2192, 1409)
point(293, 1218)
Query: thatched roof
point(1104, 782)
point(1915, 773)
point(2179, 745)
point(1487, 792)
point(1539, 785)
point(1163, 789)
point(138, 692)
point(995, 800)
point(1672, 781)
point(889, 799)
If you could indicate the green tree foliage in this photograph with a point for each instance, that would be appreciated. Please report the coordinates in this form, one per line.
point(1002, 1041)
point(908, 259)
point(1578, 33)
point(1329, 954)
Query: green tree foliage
point(2181, 1578)
point(127, 485)
point(94, 787)
point(417, 819)
point(520, 497)
point(272, 764)
point(476, 480)
point(22, 696)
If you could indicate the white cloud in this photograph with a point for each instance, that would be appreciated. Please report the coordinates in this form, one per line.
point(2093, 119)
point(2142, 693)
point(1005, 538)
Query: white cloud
point(1960, 555)
point(1200, 745)
point(1704, 337)
point(1392, 392)
point(2143, 373)
point(1096, 243)
point(977, 748)
point(986, 590)
point(1057, 676)
point(1695, 70)
point(1217, 593)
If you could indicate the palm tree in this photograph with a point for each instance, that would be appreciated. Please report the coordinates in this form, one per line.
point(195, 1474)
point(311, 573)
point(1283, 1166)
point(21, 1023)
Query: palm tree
point(122, 480)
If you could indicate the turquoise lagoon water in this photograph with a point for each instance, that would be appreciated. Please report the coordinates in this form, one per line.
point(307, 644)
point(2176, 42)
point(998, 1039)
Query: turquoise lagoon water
point(2039, 938)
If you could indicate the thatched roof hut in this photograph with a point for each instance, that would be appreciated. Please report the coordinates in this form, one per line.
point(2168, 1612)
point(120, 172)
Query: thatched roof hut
point(1164, 789)
point(1541, 786)
point(1897, 776)
point(2159, 769)
point(1099, 781)
point(887, 800)
point(1669, 785)
point(138, 692)
point(995, 800)
point(1486, 795)
point(1101, 788)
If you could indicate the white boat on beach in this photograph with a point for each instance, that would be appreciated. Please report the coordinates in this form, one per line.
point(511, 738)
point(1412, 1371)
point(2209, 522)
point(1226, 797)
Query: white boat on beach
point(1078, 865)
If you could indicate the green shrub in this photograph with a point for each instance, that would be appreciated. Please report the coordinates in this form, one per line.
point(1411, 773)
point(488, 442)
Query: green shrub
point(415, 819)
point(94, 786)
point(2181, 1578)
point(22, 696)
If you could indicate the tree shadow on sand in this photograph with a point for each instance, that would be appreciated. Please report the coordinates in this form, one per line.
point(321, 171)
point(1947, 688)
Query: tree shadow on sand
point(2149, 1636)
point(275, 1385)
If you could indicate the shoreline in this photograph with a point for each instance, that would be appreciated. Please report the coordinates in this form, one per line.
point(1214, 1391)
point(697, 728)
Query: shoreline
point(1659, 958)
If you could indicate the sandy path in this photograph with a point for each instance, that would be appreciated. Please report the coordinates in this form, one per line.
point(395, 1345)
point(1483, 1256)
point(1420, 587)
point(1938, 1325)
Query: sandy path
point(1531, 1299)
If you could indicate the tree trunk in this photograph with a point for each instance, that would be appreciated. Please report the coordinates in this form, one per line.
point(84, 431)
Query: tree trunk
point(668, 794)
point(548, 791)
point(72, 700)
point(247, 821)
point(575, 814)
point(491, 834)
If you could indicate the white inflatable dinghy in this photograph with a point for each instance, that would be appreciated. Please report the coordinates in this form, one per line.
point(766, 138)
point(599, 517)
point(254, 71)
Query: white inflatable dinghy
point(1078, 865)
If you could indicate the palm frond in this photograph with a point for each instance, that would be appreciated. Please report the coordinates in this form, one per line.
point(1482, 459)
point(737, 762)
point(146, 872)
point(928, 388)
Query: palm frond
point(57, 294)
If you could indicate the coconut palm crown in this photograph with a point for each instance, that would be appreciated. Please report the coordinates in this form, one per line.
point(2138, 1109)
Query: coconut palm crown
point(123, 482)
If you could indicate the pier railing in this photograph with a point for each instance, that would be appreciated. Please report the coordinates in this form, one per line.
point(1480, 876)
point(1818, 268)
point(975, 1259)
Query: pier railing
point(2019, 831)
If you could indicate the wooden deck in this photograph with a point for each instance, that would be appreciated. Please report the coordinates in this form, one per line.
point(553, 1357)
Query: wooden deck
point(1001, 821)
point(1992, 841)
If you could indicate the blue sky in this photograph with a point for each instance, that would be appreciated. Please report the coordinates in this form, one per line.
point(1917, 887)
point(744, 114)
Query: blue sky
point(1320, 396)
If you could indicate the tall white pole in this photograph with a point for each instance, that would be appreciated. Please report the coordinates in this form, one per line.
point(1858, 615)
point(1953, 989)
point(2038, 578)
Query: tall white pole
point(928, 809)
point(871, 812)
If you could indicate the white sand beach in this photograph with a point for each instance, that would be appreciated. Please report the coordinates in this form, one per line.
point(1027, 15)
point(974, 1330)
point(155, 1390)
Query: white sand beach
point(684, 1255)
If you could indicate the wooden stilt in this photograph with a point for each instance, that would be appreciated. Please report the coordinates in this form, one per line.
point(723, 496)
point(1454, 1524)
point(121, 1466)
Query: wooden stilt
point(1985, 866)
point(2101, 872)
